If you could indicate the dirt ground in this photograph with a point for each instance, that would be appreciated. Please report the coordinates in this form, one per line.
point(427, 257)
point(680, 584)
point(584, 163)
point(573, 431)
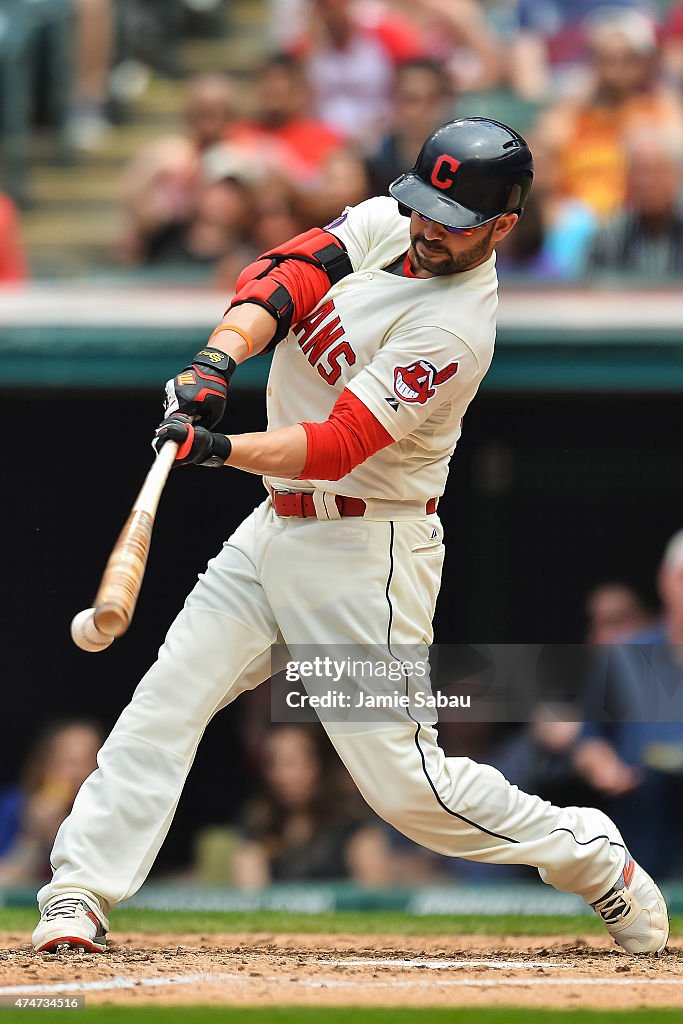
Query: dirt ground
point(265, 969)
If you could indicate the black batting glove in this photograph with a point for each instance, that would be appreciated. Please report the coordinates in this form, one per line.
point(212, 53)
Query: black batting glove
point(196, 446)
point(201, 389)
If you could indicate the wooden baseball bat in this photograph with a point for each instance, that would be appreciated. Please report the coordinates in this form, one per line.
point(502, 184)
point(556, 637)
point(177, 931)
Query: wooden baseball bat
point(122, 578)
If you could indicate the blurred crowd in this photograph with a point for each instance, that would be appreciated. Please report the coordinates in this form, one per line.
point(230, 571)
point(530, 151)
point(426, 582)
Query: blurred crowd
point(302, 819)
point(350, 90)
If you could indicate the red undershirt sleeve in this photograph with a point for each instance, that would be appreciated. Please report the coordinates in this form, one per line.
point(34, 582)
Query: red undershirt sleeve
point(348, 437)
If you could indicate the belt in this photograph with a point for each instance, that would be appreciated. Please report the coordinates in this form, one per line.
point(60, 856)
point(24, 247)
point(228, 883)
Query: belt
point(300, 505)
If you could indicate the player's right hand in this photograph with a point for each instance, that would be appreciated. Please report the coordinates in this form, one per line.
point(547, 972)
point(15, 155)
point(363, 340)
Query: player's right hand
point(196, 445)
point(201, 389)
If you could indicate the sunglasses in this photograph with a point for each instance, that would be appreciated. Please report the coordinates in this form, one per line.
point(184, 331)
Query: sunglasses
point(452, 231)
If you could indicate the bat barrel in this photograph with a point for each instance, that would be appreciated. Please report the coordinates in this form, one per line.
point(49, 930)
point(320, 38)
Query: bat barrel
point(120, 586)
point(122, 579)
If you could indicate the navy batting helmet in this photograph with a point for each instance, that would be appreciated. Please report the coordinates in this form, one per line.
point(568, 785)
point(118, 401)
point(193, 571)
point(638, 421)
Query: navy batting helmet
point(468, 173)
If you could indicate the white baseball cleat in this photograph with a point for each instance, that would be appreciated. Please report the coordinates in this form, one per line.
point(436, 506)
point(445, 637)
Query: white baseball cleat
point(634, 911)
point(71, 920)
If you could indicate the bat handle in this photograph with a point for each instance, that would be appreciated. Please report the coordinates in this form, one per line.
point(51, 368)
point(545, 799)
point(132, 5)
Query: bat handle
point(150, 492)
point(118, 593)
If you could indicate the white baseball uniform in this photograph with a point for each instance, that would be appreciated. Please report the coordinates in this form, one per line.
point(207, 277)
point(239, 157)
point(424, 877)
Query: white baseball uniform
point(413, 351)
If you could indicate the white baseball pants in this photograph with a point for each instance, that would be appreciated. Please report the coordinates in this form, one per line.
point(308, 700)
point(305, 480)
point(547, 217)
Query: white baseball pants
point(350, 582)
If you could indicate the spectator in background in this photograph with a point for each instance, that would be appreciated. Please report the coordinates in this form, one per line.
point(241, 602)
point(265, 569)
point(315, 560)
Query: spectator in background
point(421, 103)
point(299, 826)
point(344, 182)
point(219, 222)
point(87, 125)
point(456, 34)
point(350, 69)
point(588, 137)
point(636, 759)
point(614, 611)
point(279, 214)
point(646, 238)
point(284, 135)
point(211, 104)
point(31, 812)
point(548, 44)
point(158, 189)
point(289, 22)
point(13, 262)
point(161, 182)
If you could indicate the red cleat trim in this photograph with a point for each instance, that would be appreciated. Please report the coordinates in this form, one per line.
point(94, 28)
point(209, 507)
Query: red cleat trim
point(74, 941)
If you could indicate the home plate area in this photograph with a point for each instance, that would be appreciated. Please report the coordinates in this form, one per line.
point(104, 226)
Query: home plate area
point(333, 970)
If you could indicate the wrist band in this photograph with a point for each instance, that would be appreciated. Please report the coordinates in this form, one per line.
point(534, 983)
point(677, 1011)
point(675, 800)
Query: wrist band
point(221, 446)
point(215, 359)
point(238, 330)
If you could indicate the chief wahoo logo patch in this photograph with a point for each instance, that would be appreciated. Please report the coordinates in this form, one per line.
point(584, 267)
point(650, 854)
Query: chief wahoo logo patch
point(418, 382)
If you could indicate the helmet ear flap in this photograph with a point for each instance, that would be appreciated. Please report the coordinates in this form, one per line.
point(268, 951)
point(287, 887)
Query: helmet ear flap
point(405, 211)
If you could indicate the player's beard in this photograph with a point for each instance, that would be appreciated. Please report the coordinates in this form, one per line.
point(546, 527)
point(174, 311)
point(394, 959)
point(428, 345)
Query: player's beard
point(454, 264)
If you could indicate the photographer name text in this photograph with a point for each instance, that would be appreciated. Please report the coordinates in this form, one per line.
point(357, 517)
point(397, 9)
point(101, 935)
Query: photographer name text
point(336, 699)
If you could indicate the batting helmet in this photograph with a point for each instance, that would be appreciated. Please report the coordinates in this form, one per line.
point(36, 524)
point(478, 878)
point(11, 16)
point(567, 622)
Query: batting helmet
point(468, 173)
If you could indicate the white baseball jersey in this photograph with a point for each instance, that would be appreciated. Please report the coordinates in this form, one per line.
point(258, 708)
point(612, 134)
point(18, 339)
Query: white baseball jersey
point(413, 350)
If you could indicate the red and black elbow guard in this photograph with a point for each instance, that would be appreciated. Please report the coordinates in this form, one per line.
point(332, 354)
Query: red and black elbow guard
point(289, 284)
point(272, 296)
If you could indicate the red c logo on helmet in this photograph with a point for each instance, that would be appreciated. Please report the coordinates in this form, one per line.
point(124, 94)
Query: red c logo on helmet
point(448, 162)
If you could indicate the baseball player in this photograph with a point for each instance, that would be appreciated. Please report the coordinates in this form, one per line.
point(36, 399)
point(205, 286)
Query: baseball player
point(382, 327)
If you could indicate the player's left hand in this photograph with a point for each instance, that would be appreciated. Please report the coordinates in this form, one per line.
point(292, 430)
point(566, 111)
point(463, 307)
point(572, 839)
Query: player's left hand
point(196, 445)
